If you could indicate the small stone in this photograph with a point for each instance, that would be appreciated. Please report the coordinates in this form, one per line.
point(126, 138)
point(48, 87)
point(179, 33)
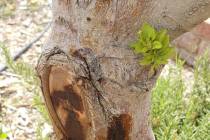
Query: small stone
point(47, 130)
point(23, 118)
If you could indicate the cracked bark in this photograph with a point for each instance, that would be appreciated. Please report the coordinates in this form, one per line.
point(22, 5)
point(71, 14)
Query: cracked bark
point(92, 83)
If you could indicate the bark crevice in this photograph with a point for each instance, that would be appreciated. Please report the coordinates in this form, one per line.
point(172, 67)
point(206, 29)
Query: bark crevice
point(95, 75)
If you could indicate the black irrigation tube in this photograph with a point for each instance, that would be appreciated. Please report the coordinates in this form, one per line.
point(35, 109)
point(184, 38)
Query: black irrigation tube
point(26, 47)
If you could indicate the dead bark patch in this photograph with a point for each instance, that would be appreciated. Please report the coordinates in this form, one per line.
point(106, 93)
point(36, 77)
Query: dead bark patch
point(119, 128)
point(74, 128)
point(67, 100)
point(68, 96)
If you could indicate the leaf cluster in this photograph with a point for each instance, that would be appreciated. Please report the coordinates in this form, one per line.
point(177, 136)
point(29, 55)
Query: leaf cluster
point(153, 45)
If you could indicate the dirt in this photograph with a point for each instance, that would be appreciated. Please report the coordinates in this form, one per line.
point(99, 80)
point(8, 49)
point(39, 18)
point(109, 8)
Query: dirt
point(19, 119)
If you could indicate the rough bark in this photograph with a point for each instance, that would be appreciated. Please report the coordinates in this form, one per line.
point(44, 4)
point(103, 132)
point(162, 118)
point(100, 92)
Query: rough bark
point(92, 83)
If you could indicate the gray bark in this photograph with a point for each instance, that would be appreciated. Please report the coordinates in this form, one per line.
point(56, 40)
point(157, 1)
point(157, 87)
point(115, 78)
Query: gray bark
point(93, 85)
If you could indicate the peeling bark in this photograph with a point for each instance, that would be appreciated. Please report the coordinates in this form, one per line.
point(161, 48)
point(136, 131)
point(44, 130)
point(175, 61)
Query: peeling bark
point(93, 85)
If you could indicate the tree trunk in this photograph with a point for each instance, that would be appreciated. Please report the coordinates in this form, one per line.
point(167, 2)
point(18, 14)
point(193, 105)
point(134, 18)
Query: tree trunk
point(93, 85)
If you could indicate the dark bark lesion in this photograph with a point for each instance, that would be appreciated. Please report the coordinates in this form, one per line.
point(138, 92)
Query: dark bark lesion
point(119, 128)
point(69, 97)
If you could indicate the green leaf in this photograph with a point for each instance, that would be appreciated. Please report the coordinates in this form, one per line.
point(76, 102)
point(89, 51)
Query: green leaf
point(139, 47)
point(148, 32)
point(161, 35)
point(166, 41)
point(134, 45)
point(147, 60)
point(156, 45)
point(166, 53)
point(153, 45)
point(160, 61)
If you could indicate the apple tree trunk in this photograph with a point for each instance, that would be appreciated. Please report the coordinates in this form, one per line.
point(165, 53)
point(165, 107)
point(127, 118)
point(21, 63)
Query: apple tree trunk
point(93, 85)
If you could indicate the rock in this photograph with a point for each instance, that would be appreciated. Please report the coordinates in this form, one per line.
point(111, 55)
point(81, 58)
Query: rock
point(195, 43)
point(203, 47)
point(203, 30)
point(188, 57)
point(47, 130)
point(23, 117)
point(188, 41)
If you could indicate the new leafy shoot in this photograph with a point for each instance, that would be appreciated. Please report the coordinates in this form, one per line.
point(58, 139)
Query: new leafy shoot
point(153, 45)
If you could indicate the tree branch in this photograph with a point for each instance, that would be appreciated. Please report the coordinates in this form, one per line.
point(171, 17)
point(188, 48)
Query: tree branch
point(177, 16)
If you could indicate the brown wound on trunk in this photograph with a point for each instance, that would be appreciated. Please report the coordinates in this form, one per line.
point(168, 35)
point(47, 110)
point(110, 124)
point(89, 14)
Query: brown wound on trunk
point(119, 128)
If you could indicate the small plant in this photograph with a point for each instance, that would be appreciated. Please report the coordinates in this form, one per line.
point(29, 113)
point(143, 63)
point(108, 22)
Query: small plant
point(176, 116)
point(153, 45)
point(3, 135)
point(20, 68)
point(167, 104)
point(30, 81)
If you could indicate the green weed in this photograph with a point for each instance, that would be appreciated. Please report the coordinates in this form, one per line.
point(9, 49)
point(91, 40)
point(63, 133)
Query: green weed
point(153, 45)
point(30, 81)
point(173, 116)
point(3, 135)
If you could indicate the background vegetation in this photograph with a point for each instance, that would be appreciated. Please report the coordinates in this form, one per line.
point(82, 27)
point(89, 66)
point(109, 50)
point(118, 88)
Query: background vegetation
point(30, 81)
point(179, 116)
